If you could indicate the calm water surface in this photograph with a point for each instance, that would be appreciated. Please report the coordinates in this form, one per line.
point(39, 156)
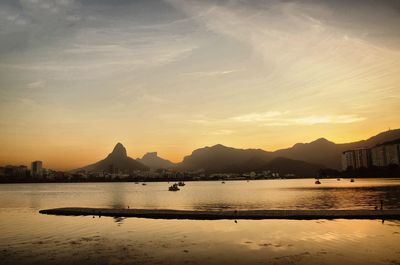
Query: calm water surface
point(27, 237)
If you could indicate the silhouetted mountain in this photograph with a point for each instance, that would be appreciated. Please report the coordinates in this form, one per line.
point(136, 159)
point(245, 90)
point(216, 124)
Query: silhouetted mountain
point(380, 138)
point(396, 141)
point(289, 166)
point(320, 151)
point(116, 161)
point(328, 153)
point(301, 159)
point(153, 161)
point(219, 158)
point(222, 159)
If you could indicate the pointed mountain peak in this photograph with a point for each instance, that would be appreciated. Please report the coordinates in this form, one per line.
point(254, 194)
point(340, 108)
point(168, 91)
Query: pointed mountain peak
point(218, 146)
point(322, 141)
point(119, 150)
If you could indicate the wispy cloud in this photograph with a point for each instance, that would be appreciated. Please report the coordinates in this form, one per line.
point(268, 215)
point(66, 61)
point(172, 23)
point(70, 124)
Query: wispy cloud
point(330, 119)
point(257, 117)
point(277, 118)
point(200, 74)
point(221, 132)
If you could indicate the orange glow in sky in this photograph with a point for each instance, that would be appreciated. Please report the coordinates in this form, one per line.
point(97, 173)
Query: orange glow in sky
point(173, 76)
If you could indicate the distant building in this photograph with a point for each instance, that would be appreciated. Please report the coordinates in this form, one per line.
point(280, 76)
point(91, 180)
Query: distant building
point(384, 155)
point(14, 171)
point(378, 156)
point(392, 154)
point(362, 158)
point(21, 171)
point(37, 168)
point(348, 160)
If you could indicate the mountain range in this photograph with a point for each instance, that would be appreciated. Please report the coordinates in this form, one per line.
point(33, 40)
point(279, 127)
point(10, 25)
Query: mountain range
point(320, 153)
point(302, 159)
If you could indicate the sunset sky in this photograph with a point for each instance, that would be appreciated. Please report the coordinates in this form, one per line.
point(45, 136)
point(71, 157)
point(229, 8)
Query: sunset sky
point(76, 77)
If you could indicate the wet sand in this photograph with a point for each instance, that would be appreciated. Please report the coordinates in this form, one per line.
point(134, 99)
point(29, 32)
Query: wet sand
point(217, 215)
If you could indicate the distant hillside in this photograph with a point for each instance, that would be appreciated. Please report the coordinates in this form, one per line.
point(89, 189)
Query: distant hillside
point(320, 151)
point(396, 141)
point(328, 153)
point(219, 158)
point(302, 159)
point(118, 160)
point(380, 138)
point(152, 160)
point(287, 166)
point(280, 164)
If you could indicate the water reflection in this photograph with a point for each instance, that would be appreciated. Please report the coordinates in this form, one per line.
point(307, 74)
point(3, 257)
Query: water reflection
point(30, 238)
point(118, 195)
point(280, 194)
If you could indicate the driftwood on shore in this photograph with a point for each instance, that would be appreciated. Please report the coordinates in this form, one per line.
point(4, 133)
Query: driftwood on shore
point(228, 214)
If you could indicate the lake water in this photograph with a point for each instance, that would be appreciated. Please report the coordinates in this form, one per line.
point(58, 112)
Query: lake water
point(27, 237)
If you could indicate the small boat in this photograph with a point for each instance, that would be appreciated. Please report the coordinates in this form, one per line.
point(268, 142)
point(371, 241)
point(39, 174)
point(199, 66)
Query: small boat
point(174, 187)
point(181, 183)
point(317, 181)
point(223, 182)
point(144, 184)
point(352, 180)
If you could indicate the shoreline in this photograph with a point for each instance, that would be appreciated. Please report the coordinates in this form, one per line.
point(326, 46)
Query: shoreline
point(184, 179)
point(230, 215)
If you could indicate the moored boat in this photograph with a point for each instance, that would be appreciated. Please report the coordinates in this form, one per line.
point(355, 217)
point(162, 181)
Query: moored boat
point(174, 187)
point(181, 183)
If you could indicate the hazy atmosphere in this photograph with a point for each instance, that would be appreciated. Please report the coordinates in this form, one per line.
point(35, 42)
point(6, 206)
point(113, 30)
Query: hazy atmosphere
point(76, 77)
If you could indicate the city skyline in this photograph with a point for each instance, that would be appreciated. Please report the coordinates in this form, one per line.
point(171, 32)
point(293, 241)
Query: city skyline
point(76, 77)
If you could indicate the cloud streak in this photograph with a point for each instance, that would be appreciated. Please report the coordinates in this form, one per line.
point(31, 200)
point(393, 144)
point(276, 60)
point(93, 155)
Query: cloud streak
point(277, 118)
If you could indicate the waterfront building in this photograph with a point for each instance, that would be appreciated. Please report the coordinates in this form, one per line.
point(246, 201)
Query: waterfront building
point(348, 160)
point(392, 154)
point(378, 156)
point(14, 171)
point(362, 158)
point(384, 155)
point(37, 168)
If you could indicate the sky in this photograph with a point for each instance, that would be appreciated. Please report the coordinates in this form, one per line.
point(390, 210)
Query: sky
point(76, 77)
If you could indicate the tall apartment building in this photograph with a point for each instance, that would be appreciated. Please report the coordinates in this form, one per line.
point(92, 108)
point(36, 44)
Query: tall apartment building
point(384, 155)
point(358, 158)
point(378, 156)
point(362, 158)
point(37, 168)
point(348, 160)
point(392, 154)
